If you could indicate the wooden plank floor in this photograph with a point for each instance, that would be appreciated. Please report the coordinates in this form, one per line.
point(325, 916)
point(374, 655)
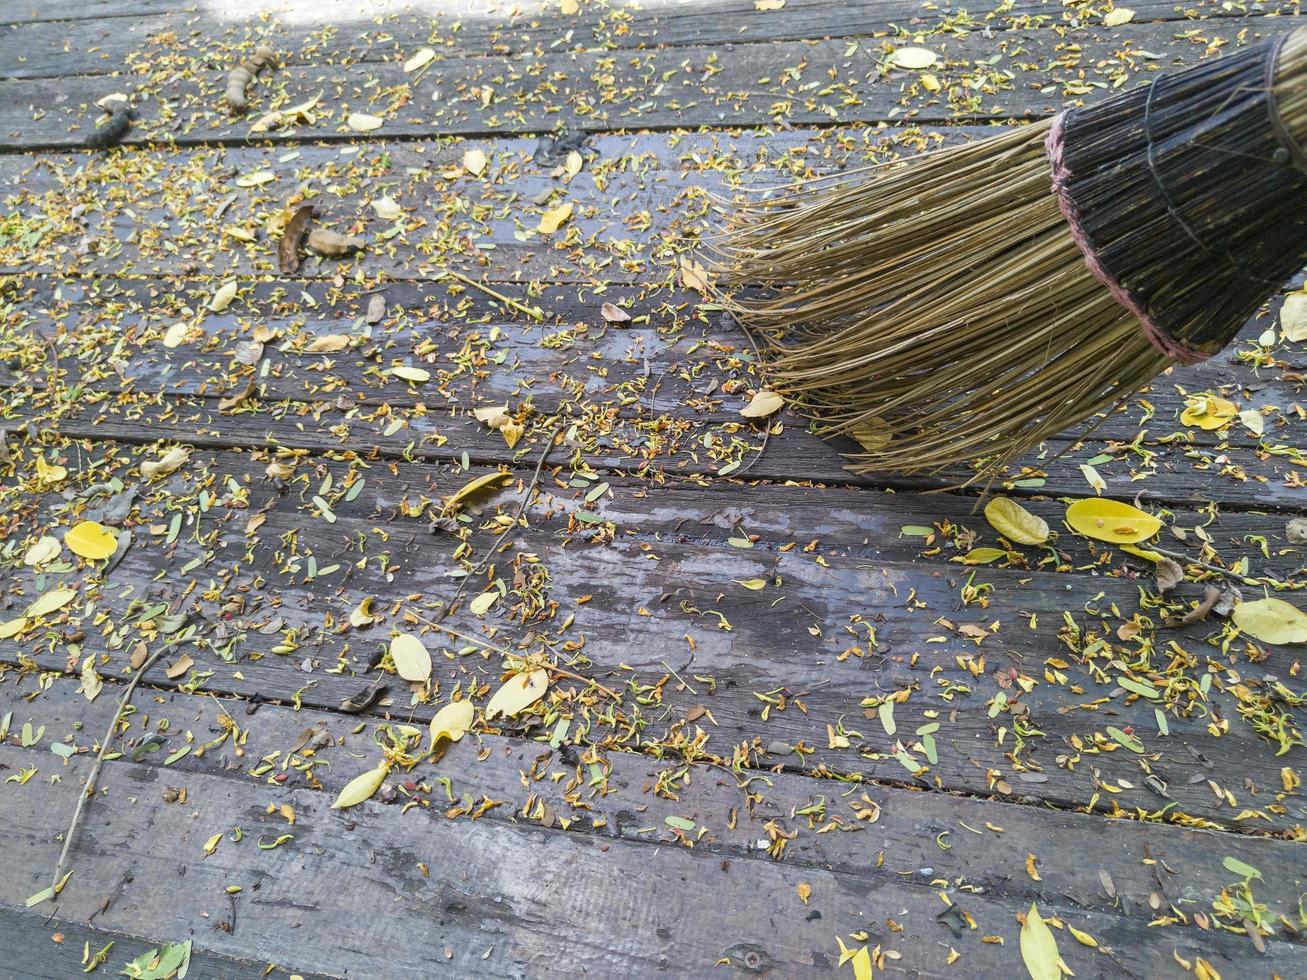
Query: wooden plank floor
point(712, 784)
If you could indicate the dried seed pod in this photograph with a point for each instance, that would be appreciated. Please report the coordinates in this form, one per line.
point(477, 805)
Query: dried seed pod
point(239, 78)
point(113, 131)
point(333, 244)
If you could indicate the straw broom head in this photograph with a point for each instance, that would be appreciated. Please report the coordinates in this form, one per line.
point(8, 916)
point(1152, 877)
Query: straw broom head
point(955, 306)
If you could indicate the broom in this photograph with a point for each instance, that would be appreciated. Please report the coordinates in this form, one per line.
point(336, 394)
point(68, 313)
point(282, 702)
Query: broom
point(969, 302)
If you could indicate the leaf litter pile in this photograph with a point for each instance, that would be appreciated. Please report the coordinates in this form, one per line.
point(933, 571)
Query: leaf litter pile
point(420, 468)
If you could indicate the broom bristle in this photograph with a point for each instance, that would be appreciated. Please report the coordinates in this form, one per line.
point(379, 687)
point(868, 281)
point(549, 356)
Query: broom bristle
point(939, 309)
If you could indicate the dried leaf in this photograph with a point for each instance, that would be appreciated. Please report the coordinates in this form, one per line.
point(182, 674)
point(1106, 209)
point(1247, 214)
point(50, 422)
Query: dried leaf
point(872, 434)
point(518, 693)
point(49, 473)
point(573, 163)
point(421, 59)
point(376, 308)
point(474, 162)
point(495, 416)
point(1168, 573)
point(237, 398)
point(1293, 316)
point(411, 374)
point(361, 788)
point(223, 297)
point(175, 334)
point(169, 462)
point(612, 313)
point(1118, 16)
point(362, 614)
point(327, 343)
point(91, 683)
point(1039, 948)
point(386, 208)
point(255, 179)
point(762, 404)
point(1296, 530)
point(412, 661)
point(768, 5)
point(1111, 520)
point(90, 540)
point(914, 59)
point(554, 218)
point(1014, 522)
point(695, 276)
point(482, 603)
point(288, 249)
point(568, 7)
point(362, 122)
point(50, 601)
point(451, 722)
point(180, 667)
point(1271, 621)
point(43, 551)
point(479, 484)
point(334, 245)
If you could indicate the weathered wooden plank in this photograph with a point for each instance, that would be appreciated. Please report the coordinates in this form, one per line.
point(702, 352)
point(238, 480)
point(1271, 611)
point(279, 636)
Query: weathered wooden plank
point(1022, 73)
point(36, 946)
point(500, 900)
point(935, 838)
point(672, 358)
point(645, 622)
point(89, 39)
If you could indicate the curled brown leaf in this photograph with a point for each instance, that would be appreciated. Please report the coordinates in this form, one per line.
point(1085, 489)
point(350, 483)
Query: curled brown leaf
point(288, 252)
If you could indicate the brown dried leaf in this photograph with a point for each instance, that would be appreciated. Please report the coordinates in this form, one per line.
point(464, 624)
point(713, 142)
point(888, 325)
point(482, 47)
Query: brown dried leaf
point(288, 250)
point(1169, 574)
point(333, 244)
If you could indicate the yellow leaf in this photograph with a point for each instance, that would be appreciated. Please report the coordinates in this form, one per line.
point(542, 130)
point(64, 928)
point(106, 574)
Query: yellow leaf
point(12, 627)
point(930, 83)
point(756, 584)
point(1083, 938)
point(914, 59)
point(255, 179)
point(361, 788)
point(175, 334)
point(983, 556)
point(1117, 17)
point(386, 208)
point(474, 162)
point(1208, 412)
point(695, 276)
point(573, 163)
point(211, 844)
point(1253, 420)
point(511, 431)
point(766, 5)
point(1030, 867)
point(451, 722)
point(1092, 478)
point(411, 374)
point(872, 434)
point(412, 662)
point(495, 416)
point(862, 964)
point(1111, 520)
point(45, 550)
point(328, 343)
point(362, 614)
point(555, 218)
point(90, 540)
point(805, 892)
point(1014, 522)
point(479, 484)
point(172, 460)
point(1039, 948)
point(49, 473)
point(1293, 316)
point(568, 7)
point(423, 58)
point(1271, 621)
point(518, 693)
point(361, 122)
point(482, 603)
point(762, 404)
point(223, 297)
